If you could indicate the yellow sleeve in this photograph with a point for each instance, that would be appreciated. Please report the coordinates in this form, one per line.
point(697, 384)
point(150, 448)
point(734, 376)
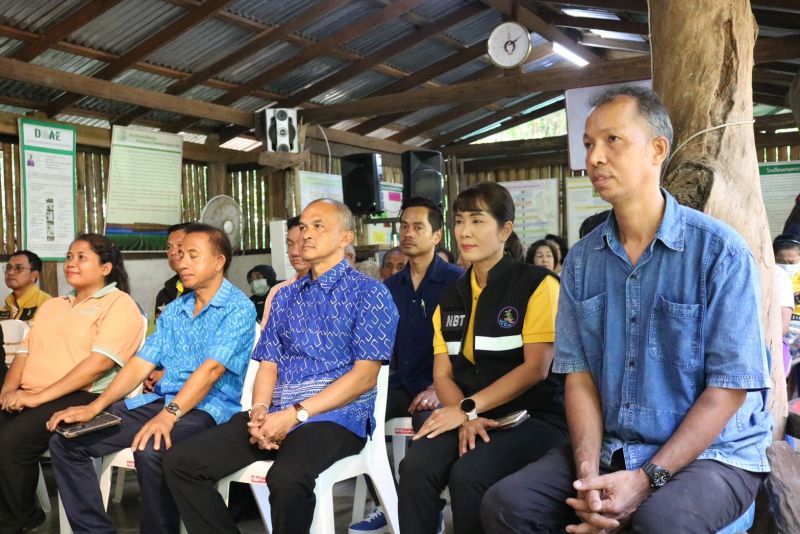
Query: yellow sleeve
point(540, 317)
point(439, 344)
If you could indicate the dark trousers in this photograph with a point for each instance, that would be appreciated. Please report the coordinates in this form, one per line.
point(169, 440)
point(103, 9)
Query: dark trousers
point(23, 439)
point(703, 497)
point(432, 464)
point(194, 467)
point(397, 404)
point(77, 479)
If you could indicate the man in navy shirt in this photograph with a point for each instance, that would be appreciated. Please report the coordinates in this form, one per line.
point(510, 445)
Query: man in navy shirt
point(415, 290)
point(314, 393)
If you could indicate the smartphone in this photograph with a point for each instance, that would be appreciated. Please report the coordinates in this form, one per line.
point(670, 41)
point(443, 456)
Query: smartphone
point(73, 430)
point(512, 420)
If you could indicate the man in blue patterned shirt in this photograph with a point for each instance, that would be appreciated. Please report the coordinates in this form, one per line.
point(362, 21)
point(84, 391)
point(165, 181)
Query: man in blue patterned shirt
point(314, 394)
point(203, 340)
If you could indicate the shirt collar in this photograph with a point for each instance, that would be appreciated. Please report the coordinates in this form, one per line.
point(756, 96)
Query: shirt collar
point(435, 271)
point(670, 231)
point(100, 293)
point(220, 298)
point(329, 278)
point(26, 297)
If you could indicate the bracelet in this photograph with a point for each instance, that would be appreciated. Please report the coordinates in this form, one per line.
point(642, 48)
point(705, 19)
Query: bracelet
point(250, 411)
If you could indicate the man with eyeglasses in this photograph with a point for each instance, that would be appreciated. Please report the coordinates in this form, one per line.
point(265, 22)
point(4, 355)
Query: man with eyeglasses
point(22, 272)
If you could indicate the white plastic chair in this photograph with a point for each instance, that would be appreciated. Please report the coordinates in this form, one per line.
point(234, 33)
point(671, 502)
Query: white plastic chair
point(400, 430)
point(14, 331)
point(372, 461)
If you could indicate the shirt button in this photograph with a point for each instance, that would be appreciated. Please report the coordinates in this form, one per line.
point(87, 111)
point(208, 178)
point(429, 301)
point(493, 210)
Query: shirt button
point(627, 405)
point(631, 364)
point(634, 276)
point(633, 319)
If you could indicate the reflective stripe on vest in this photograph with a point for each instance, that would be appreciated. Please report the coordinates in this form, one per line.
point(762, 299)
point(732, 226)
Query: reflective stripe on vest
point(453, 348)
point(498, 344)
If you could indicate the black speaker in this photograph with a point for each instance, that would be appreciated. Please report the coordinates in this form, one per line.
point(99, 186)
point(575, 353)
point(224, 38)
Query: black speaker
point(361, 177)
point(422, 175)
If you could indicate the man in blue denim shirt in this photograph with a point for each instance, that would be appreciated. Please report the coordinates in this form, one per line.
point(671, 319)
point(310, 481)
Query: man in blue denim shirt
point(314, 395)
point(659, 331)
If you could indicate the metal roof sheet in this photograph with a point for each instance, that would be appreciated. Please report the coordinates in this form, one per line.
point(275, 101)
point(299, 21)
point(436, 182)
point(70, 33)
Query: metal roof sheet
point(476, 28)
point(201, 46)
point(257, 63)
point(380, 36)
point(126, 25)
point(420, 56)
point(270, 12)
point(362, 85)
point(433, 9)
point(36, 16)
point(339, 19)
point(305, 75)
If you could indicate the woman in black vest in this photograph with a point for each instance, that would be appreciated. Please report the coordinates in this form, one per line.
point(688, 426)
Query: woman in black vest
point(493, 345)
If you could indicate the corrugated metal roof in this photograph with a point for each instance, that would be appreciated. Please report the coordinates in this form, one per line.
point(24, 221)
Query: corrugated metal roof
point(422, 114)
point(201, 46)
point(8, 46)
point(101, 105)
point(433, 9)
point(64, 61)
point(126, 25)
point(339, 19)
point(463, 71)
point(357, 87)
point(420, 56)
point(305, 75)
point(14, 109)
point(144, 80)
point(36, 16)
point(162, 116)
point(254, 65)
point(26, 91)
point(372, 41)
point(204, 93)
point(271, 12)
point(251, 103)
point(475, 28)
point(85, 121)
point(463, 120)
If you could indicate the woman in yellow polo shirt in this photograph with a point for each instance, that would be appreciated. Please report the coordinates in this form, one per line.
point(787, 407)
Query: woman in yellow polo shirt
point(493, 344)
point(75, 347)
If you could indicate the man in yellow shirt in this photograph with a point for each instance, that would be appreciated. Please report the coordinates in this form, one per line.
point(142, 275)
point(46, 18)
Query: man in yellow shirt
point(22, 272)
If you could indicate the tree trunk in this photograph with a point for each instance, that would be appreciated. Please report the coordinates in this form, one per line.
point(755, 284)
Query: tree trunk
point(703, 66)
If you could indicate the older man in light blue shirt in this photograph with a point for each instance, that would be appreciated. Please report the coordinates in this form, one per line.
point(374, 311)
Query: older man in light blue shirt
point(659, 333)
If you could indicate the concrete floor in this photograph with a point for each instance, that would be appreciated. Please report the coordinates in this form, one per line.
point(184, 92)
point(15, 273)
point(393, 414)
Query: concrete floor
point(125, 512)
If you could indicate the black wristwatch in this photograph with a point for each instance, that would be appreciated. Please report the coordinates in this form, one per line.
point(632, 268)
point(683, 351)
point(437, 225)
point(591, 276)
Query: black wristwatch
point(468, 407)
point(658, 475)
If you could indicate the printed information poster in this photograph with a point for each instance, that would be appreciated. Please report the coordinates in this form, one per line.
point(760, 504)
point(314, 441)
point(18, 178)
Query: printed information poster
point(314, 185)
point(144, 187)
point(47, 152)
point(780, 185)
point(582, 201)
point(536, 208)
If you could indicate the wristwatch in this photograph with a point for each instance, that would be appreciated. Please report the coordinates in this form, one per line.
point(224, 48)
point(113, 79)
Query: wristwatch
point(658, 475)
point(302, 413)
point(468, 407)
point(175, 410)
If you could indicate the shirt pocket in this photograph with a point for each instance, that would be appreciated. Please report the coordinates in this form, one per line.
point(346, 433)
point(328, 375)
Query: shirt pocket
point(591, 325)
point(675, 333)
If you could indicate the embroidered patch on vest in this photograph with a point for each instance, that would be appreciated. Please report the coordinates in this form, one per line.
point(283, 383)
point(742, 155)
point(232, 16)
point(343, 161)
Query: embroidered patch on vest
point(508, 317)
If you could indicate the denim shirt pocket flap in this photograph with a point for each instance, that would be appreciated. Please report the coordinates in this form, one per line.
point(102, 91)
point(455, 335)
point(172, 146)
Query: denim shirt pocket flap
point(675, 333)
point(591, 316)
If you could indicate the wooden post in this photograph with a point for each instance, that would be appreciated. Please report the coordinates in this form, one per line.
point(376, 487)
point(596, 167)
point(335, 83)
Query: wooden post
point(703, 67)
point(217, 172)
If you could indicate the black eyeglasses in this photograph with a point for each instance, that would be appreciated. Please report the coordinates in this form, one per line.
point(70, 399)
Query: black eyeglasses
point(15, 268)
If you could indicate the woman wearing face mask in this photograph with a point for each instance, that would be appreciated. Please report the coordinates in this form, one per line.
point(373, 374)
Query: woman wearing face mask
point(74, 349)
point(261, 278)
point(493, 344)
point(787, 257)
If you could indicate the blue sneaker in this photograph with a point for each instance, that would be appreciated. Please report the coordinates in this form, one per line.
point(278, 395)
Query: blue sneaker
point(374, 523)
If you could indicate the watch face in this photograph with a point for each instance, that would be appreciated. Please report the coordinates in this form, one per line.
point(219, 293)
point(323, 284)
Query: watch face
point(660, 477)
point(467, 405)
point(509, 45)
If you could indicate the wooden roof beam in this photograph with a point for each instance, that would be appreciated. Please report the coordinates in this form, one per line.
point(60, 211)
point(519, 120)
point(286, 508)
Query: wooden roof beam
point(516, 121)
point(412, 80)
point(553, 79)
point(255, 44)
point(85, 85)
point(312, 52)
point(144, 49)
point(421, 34)
point(504, 149)
point(466, 129)
point(587, 23)
point(77, 19)
point(535, 23)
